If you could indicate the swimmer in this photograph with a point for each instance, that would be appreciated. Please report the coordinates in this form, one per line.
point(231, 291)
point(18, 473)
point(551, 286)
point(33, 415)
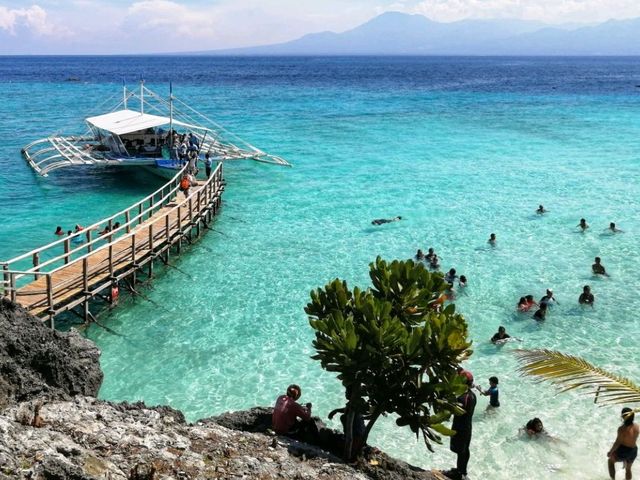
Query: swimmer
point(59, 232)
point(583, 224)
point(105, 230)
point(492, 240)
point(451, 276)
point(530, 302)
point(613, 228)
point(535, 428)
point(586, 298)
point(419, 256)
point(598, 268)
point(541, 210)
point(462, 283)
point(523, 306)
point(78, 228)
point(541, 313)
point(429, 254)
point(381, 221)
point(434, 263)
point(549, 299)
point(501, 336)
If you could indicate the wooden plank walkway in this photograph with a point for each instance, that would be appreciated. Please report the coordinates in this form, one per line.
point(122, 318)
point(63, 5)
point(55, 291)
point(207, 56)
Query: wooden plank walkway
point(160, 222)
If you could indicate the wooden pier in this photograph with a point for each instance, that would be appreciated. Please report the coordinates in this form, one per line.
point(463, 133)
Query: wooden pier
point(70, 273)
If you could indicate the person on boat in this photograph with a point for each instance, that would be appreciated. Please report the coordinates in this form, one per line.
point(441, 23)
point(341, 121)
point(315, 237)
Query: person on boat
point(492, 240)
point(185, 184)
point(182, 153)
point(614, 229)
point(463, 426)
point(549, 299)
point(287, 411)
point(59, 232)
point(625, 447)
point(586, 297)
point(500, 336)
point(207, 164)
point(541, 210)
point(451, 276)
point(530, 302)
point(598, 268)
point(535, 428)
point(583, 224)
point(491, 392)
point(541, 313)
point(381, 221)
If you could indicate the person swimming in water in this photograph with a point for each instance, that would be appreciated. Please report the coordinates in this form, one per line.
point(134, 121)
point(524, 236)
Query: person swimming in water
point(598, 268)
point(430, 254)
point(583, 224)
point(434, 263)
point(419, 256)
point(535, 428)
point(586, 298)
point(462, 282)
point(614, 229)
point(541, 210)
point(59, 232)
point(492, 240)
point(451, 276)
point(541, 313)
point(523, 306)
point(381, 221)
point(530, 302)
point(501, 336)
point(549, 299)
point(625, 447)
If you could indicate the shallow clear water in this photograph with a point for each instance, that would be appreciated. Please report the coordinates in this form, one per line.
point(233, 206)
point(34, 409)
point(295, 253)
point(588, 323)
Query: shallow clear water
point(460, 148)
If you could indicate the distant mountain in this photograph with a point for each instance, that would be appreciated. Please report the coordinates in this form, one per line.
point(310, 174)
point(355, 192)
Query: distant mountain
point(395, 33)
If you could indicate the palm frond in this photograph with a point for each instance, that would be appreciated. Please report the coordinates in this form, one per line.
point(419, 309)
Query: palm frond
point(571, 373)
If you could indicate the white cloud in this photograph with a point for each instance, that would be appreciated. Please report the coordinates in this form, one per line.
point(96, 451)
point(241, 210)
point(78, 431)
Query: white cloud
point(551, 11)
point(34, 18)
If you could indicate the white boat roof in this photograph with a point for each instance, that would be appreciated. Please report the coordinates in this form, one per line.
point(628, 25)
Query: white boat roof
point(129, 121)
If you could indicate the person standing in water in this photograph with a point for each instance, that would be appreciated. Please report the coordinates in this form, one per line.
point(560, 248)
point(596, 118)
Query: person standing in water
point(625, 448)
point(586, 298)
point(583, 225)
point(548, 299)
point(462, 425)
point(598, 268)
point(614, 229)
point(492, 240)
point(541, 210)
point(492, 392)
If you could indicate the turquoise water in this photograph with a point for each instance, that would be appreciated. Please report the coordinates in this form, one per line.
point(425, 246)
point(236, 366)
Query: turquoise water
point(459, 150)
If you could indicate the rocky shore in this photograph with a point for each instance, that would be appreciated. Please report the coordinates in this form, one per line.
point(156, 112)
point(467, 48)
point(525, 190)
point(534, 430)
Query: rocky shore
point(52, 427)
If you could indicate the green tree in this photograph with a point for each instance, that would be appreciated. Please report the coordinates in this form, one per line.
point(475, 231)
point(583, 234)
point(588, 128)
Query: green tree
point(395, 349)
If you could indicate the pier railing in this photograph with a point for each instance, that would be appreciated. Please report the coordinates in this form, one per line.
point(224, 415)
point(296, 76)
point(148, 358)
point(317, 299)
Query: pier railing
point(150, 228)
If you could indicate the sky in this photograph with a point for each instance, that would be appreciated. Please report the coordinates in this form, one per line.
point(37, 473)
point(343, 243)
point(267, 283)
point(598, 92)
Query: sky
point(148, 26)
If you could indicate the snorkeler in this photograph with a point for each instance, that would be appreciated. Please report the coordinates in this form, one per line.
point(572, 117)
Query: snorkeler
point(381, 221)
point(586, 298)
point(541, 210)
point(492, 240)
point(583, 224)
point(625, 448)
point(598, 268)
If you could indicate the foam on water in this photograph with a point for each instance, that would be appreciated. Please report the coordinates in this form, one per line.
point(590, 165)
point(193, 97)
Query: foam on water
point(228, 331)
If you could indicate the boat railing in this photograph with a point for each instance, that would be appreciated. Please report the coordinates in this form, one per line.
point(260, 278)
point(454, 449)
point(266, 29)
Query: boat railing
point(63, 251)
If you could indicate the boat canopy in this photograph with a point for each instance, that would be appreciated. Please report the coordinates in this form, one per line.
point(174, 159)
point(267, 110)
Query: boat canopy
point(122, 122)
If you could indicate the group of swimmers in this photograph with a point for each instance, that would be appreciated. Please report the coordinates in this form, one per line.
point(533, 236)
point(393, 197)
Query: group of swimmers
point(79, 228)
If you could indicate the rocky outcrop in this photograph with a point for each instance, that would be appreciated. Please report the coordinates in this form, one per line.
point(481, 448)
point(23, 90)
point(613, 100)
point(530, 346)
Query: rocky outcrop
point(52, 427)
point(36, 361)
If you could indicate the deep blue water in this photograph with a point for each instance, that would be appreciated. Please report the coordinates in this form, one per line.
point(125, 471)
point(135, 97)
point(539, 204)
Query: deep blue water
point(460, 147)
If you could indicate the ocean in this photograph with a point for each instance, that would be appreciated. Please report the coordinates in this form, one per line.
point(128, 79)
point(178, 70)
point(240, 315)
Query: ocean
point(459, 147)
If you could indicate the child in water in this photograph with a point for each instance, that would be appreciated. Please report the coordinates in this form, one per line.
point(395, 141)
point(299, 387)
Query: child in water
point(491, 392)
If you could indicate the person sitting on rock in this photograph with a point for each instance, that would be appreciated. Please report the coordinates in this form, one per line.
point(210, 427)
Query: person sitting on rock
point(287, 411)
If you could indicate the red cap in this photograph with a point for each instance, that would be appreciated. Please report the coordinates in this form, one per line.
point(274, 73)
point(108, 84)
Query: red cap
point(468, 375)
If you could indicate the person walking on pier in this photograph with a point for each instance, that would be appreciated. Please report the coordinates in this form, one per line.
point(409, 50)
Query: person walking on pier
point(185, 184)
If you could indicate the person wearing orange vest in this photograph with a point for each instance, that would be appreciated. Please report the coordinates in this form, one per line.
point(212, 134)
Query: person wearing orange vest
point(185, 184)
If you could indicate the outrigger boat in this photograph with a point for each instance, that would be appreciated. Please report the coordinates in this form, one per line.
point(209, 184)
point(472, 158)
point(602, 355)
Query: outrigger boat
point(152, 137)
